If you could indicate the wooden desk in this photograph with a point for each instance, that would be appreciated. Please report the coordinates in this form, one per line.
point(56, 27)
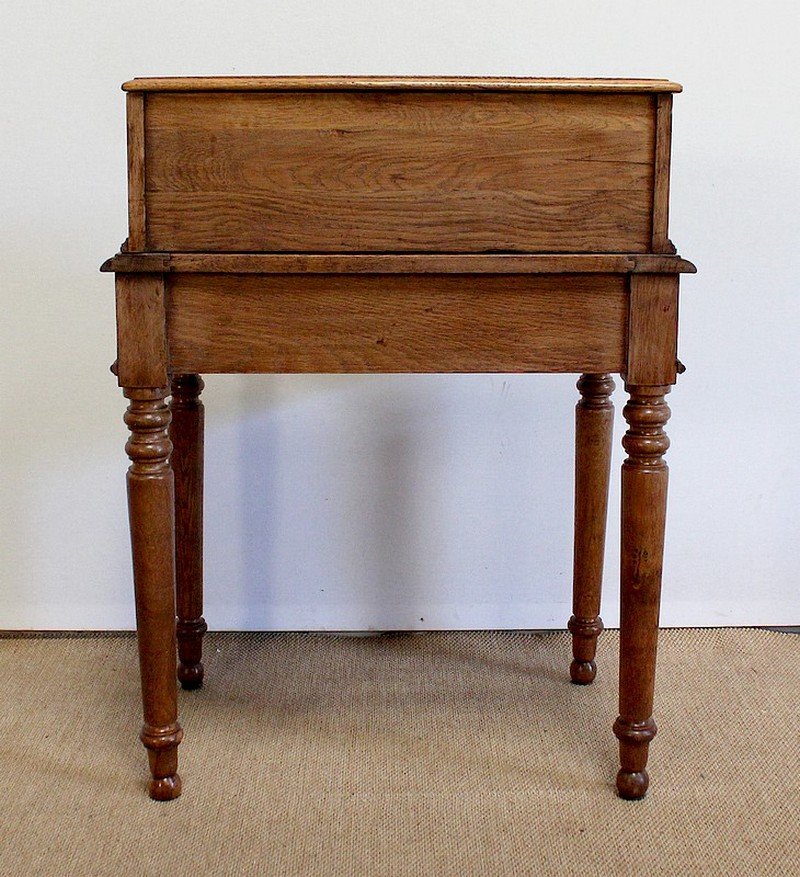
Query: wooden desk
point(396, 225)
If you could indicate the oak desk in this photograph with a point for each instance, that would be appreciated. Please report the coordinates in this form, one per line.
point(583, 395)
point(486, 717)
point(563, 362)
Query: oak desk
point(396, 225)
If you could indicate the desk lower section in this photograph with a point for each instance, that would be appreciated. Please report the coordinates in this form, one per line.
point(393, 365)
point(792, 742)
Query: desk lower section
point(349, 323)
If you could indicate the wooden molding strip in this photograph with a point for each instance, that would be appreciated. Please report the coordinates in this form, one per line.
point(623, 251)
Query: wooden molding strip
point(396, 83)
point(290, 263)
point(137, 224)
point(660, 241)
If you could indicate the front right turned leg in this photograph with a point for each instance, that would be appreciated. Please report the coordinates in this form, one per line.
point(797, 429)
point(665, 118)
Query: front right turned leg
point(644, 506)
point(150, 508)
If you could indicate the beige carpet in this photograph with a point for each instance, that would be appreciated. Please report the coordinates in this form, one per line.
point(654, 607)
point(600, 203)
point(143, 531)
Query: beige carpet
point(438, 754)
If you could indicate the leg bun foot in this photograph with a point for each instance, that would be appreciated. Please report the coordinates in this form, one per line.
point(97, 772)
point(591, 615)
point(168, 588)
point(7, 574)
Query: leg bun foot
point(190, 675)
point(164, 788)
point(582, 672)
point(632, 785)
point(584, 632)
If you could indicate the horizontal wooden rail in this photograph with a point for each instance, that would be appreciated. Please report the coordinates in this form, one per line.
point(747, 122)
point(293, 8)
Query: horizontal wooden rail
point(358, 323)
point(291, 263)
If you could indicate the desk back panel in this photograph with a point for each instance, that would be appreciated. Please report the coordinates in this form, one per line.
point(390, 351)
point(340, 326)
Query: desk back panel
point(396, 323)
point(396, 171)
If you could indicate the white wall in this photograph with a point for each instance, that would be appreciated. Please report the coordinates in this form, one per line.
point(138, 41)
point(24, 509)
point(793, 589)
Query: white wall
point(420, 502)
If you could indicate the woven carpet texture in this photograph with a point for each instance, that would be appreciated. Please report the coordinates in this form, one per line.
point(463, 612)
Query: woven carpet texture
point(433, 754)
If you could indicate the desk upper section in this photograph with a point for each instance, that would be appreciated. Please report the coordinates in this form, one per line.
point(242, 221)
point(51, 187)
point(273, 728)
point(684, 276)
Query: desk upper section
point(399, 165)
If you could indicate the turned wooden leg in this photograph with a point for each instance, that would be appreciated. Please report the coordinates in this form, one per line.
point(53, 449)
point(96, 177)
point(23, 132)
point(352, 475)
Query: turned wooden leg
point(644, 505)
point(186, 433)
point(150, 506)
point(594, 420)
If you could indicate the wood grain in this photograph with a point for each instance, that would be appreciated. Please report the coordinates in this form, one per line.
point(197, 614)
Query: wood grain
point(141, 330)
point(452, 222)
point(402, 83)
point(399, 172)
point(136, 184)
point(661, 242)
point(652, 329)
point(339, 161)
point(390, 323)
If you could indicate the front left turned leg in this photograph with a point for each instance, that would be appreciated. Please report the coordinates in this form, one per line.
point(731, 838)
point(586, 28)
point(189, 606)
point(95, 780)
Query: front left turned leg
point(150, 507)
point(644, 505)
point(186, 433)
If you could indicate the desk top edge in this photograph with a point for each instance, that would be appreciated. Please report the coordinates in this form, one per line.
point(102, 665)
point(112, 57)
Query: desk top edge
point(398, 83)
